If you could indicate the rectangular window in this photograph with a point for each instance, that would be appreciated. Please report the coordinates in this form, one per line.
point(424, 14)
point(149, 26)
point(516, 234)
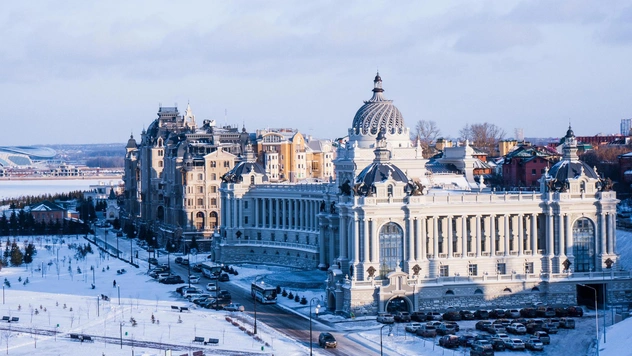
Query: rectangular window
point(227, 164)
point(258, 235)
point(528, 267)
point(245, 220)
point(533, 172)
point(213, 164)
point(246, 204)
point(444, 271)
point(273, 237)
point(473, 269)
point(501, 268)
point(200, 189)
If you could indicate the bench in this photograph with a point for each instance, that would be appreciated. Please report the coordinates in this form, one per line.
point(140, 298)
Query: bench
point(175, 307)
point(74, 337)
point(6, 318)
point(86, 338)
point(212, 341)
point(198, 339)
point(14, 319)
point(182, 309)
point(198, 353)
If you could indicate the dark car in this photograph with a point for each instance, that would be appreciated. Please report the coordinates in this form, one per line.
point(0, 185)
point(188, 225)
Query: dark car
point(402, 317)
point(534, 344)
point(483, 325)
point(567, 323)
point(449, 341)
point(178, 259)
point(528, 312)
point(327, 340)
point(171, 280)
point(446, 329)
point(498, 344)
point(418, 316)
point(196, 268)
point(452, 316)
point(481, 314)
point(497, 313)
point(224, 295)
point(223, 277)
point(466, 340)
point(480, 350)
point(152, 261)
point(575, 311)
point(467, 315)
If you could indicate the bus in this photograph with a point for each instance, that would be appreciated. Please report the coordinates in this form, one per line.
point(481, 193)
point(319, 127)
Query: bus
point(210, 270)
point(263, 292)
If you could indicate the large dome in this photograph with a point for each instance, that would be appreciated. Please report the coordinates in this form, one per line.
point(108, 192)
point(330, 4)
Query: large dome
point(565, 170)
point(377, 114)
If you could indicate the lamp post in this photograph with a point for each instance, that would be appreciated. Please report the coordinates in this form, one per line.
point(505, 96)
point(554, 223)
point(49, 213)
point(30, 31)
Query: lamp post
point(117, 245)
point(310, 320)
point(596, 316)
point(389, 332)
point(105, 234)
point(121, 332)
point(118, 287)
point(98, 304)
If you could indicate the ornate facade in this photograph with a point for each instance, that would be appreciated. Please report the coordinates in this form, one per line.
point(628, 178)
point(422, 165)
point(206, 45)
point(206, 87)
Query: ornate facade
point(396, 232)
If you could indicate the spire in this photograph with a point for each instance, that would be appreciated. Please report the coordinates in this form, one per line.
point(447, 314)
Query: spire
point(570, 146)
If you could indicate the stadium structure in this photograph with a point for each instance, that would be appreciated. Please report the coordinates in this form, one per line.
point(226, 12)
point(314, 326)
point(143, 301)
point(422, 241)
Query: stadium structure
point(25, 156)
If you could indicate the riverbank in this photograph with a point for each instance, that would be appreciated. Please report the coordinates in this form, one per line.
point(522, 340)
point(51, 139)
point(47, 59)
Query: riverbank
point(97, 177)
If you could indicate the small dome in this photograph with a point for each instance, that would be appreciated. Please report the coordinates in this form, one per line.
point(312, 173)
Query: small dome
point(131, 143)
point(236, 174)
point(565, 170)
point(377, 114)
point(378, 172)
point(570, 132)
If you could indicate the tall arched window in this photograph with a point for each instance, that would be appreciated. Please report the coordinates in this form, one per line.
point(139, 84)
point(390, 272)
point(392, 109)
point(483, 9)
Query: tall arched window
point(584, 245)
point(391, 248)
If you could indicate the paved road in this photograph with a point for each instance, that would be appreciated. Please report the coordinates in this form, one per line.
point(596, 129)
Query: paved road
point(293, 325)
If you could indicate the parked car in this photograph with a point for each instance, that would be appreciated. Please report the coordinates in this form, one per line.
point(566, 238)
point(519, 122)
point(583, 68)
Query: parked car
point(528, 313)
point(211, 286)
point(481, 314)
point(418, 316)
point(224, 295)
point(152, 261)
point(185, 261)
point(446, 329)
point(497, 313)
point(196, 268)
point(534, 344)
point(512, 313)
point(449, 341)
point(467, 315)
point(427, 331)
point(402, 317)
point(412, 327)
point(517, 329)
point(327, 340)
point(575, 311)
point(223, 277)
point(385, 318)
point(543, 336)
point(178, 260)
point(515, 344)
point(434, 316)
point(483, 325)
point(502, 336)
point(498, 344)
point(194, 279)
point(481, 342)
point(234, 307)
point(452, 316)
point(497, 329)
point(171, 280)
point(567, 323)
point(466, 340)
point(550, 328)
point(480, 350)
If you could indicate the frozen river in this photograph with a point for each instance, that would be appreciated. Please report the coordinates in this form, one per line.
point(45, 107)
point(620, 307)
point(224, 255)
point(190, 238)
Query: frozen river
point(18, 188)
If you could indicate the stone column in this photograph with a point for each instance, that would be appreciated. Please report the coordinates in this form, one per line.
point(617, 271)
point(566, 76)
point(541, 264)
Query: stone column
point(449, 235)
point(365, 238)
point(550, 235)
point(520, 234)
point(569, 236)
point(613, 234)
point(604, 232)
point(256, 202)
point(321, 245)
point(421, 240)
point(492, 235)
point(411, 240)
point(332, 243)
point(478, 236)
point(464, 235)
point(560, 242)
point(534, 233)
point(435, 239)
point(356, 238)
point(507, 232)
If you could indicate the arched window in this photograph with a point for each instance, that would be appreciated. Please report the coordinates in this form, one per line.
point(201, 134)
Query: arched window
point(449, 292)
point(213, 201)
point(213, 176)
point(213, 220)
point(200, 176)
point(390, 190)
point(199, 220)
point(584, 245)
point(391, 248)
point(200, 202)
point(478, 291)
point(252, 180)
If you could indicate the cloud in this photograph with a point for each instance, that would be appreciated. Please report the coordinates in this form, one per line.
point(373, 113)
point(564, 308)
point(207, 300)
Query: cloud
point(495, 37)
point(619, 30)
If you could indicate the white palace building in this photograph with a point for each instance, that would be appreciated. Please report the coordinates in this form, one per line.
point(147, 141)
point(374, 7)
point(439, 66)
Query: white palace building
point(395, 232)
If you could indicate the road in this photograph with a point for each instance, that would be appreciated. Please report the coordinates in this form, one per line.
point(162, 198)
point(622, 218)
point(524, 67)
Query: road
point(293, 325)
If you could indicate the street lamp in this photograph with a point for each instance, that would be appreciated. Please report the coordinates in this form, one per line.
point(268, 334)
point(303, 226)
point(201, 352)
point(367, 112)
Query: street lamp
point(389, 333)
point(596, 316)
point(121, 332)
point(118, 287)
point(310, 320)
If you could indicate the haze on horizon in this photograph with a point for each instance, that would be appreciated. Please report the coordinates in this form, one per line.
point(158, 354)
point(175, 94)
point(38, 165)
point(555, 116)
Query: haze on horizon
point(80, 72)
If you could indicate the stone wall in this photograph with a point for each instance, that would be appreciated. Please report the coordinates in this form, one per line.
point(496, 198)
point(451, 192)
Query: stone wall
point(268, 255)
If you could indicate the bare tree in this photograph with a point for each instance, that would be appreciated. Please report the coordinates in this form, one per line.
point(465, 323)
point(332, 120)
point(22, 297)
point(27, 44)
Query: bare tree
point(483, 136)
point(426, 132)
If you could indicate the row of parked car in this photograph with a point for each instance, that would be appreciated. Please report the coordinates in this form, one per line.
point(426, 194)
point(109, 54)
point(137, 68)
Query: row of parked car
point(482, 314)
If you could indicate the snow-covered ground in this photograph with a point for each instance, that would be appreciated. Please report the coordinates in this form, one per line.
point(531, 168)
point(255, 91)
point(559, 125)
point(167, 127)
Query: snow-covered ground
point(65, 302)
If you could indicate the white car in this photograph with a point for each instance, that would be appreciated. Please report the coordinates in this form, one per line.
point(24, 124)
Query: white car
point(194, 279)
point(234, 307)
point(211, 286)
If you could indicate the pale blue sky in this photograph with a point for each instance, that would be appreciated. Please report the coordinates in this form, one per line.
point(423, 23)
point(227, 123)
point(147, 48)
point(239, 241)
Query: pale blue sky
point(79, 72)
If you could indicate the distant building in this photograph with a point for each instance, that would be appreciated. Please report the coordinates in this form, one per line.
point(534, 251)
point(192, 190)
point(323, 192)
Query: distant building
point(626, 126)
point(524, 166)
point(48, 212)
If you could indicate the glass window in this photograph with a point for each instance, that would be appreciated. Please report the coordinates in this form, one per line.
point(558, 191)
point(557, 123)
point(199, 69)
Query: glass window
point(473, 270)
point(584, 245)
point(501, 268)
point(444, 271)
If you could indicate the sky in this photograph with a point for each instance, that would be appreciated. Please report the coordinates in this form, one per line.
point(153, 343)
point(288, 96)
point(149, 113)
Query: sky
point(84, 72)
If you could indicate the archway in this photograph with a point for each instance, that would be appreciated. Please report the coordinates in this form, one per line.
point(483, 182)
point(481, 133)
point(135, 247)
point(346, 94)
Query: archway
point(331, 302)
point(160, 213)
point(213, 220)
point(199, 220)
point(398, 304)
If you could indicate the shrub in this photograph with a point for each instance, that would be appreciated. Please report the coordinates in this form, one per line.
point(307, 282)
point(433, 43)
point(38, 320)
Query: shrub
point(284, 293)
point(297, 299)
point(290, 296)
point(278, 289)
point(303, 300)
